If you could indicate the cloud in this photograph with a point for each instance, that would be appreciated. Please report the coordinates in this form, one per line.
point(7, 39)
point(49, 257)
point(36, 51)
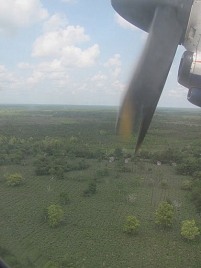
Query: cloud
point(107, 82)
point(55, 22)
point(6, 78)
point(178, 92)
point(15, 14)
point(124, 23)
point(75, 57)
point(52, 42)
point(99, 77)
point(114, 65)
point(60, 41)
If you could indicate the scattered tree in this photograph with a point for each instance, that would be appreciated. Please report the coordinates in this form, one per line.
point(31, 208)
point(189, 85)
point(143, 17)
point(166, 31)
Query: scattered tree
point(132, 225)
point(164, 214)
point(189, 230)
point(14, 179)
point(55, 215)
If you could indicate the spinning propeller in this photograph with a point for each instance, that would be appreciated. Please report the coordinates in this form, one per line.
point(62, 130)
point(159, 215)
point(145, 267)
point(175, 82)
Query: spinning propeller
point(166, 22)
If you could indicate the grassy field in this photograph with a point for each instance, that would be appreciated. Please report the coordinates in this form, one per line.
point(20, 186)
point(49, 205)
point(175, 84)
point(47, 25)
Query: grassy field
point(91, 234)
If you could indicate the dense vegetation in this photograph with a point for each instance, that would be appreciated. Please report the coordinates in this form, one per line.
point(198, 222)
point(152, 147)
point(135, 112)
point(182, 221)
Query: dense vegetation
point(67, 184)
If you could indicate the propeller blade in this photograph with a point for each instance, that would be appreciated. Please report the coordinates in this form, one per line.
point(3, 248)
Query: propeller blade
point(147, 83)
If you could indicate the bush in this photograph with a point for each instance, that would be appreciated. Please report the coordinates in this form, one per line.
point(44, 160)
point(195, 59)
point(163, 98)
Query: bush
point(164, 183)
point(164, 214)
point(14, 179)
point(102, 172)
point(189, 230)
point(64, 199)
point(132, 225)
point(91, 189)
point(55, 215)
point(196, 195)
point(189, 166)
point(186, 185)
point(51, 264)
point(118, 153)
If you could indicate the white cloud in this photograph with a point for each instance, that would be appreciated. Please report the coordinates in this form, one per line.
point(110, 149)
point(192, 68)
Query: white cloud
point(99, 77)
point(55, 22)
point(62, 44)
point(24, 65)
point(52, 43)
point(124, 23)
point(178, 92)
point(107, 82)
point(15, 14)
point(114, 65)
point(75, 57)
point(114, 61)
point(6, 78)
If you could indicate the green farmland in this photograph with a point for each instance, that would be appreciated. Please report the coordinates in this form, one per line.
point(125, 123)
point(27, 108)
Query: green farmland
point(61, 149)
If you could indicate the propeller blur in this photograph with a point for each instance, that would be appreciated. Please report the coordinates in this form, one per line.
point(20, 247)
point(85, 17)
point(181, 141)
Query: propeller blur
point(169, 23)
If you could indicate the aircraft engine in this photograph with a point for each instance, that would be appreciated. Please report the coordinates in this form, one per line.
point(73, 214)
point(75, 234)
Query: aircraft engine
point(189, 75)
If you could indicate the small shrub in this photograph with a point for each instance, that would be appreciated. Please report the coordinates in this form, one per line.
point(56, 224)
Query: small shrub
point(91, 189)
point(55, 215)
point(189, 230)
point(186, 185)
point(132, 225)
point(66, 262)
point(168, 200)
point(102, 172)
point(196, 195)
point(164, 183)
point(64, 199)
point(87, 193)
point(51, 264)
point(164, 215)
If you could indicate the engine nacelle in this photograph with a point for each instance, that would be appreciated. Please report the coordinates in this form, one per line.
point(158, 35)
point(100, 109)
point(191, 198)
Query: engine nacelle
point(189, 76)
point(194, 96)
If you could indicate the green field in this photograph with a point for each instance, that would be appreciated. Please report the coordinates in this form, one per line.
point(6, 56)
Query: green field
point(78, 142)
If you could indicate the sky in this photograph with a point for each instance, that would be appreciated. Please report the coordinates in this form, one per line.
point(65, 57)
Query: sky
point(72, 52)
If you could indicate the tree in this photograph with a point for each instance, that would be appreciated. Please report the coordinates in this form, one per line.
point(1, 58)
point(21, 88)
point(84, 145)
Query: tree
point(164, 214)
point(55, 215)
point(132, 225)
point(14, 179)
point(189, 230)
